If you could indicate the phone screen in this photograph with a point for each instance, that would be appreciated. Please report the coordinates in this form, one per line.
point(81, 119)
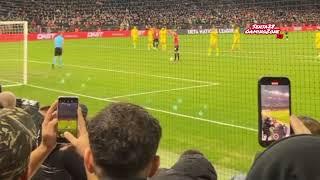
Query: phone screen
point(67, 115)
point(275, 111)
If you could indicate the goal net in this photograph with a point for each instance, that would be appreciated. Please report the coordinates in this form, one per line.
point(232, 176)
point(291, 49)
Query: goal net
point(13, 52)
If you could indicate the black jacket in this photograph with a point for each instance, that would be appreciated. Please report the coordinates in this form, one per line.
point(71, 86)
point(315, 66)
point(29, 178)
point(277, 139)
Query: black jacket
point(293, 158)
point(188, 167)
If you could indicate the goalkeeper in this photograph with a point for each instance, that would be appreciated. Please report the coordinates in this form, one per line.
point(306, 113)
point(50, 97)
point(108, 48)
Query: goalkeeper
point(58, 45)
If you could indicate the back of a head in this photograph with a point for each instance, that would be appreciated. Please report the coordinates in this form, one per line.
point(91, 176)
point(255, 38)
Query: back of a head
point(192, 165)
point(7, 100)
point(123, 139)
point(292, 158)
point(15, 145)
point(312, 124)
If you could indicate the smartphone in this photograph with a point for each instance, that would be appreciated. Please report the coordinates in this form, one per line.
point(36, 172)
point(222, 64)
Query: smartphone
point(67, 117)
point(274, 109)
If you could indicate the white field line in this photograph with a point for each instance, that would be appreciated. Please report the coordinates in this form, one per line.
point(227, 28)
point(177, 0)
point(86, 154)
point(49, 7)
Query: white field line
point(12, 85)
point(148, 108)
point(161, 91)
point(128, 72)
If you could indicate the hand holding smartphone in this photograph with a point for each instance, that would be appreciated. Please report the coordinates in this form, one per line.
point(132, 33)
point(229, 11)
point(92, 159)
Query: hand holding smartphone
point(274, 109)
point(67, 117)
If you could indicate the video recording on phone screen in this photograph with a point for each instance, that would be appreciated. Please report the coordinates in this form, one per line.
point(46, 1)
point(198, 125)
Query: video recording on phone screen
point(275, 112)
point(67, 116)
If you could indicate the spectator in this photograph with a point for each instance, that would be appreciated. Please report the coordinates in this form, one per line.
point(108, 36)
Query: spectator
point(15, 145)
point(288, 159)
point(298, 128)
point(192, 165)
point(16, 159)
point(124, 139)
point(7, 100)
point(62, 163)
point(312, 124)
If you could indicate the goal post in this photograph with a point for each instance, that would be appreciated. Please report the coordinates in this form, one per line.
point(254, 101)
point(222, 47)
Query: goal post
point(14, 50)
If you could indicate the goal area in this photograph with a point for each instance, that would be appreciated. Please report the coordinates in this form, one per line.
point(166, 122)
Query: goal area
point(13, 53)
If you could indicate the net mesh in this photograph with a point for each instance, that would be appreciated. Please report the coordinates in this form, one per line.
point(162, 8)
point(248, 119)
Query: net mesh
point(12, 53)
point(208, 99)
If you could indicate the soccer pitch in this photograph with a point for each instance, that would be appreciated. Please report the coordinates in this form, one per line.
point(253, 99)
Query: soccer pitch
point(205, 103)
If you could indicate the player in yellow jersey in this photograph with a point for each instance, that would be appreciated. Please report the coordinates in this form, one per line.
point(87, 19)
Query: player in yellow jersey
point(236, 39)
point(163, 38)
point(150, 38)
point(213, 42)
point(134, 36)
point(318, 42)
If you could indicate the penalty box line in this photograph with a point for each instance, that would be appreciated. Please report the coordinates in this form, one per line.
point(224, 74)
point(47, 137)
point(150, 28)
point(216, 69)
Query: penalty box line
point(161, 91)
point(206, 84)
point(148, 108)
point(128, 72)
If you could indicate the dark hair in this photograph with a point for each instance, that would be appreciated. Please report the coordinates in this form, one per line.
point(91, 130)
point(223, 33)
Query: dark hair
point(123, 138)
point(191, 152)
point(312, 124)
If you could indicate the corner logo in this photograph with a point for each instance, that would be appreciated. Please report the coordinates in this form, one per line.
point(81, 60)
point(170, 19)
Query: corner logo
point(263, 29)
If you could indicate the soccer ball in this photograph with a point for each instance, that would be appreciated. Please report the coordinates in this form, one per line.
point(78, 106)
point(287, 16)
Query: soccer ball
point(171, 58)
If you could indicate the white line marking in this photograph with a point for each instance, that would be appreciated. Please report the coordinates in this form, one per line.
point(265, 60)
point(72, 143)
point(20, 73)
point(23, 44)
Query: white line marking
point(148, 108)
point(12, 85)
point(160, 91)
point(128, 72)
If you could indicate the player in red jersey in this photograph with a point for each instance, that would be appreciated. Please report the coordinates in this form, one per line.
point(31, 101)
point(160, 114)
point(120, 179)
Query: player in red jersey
point(156, 38)
point(176, 46)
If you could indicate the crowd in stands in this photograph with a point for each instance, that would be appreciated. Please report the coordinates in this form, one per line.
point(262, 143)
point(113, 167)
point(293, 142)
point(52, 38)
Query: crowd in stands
point(83, 15)
point(121, 142)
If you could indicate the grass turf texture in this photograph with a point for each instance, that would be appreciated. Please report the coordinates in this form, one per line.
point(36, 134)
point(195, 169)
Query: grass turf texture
point(206, 103)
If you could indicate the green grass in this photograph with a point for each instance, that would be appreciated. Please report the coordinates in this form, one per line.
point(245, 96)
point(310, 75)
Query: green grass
point(205, 103)
point(67, 125)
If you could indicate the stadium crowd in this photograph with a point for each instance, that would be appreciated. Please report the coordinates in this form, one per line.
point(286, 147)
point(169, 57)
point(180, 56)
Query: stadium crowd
point(82, 15)
point(121, 143)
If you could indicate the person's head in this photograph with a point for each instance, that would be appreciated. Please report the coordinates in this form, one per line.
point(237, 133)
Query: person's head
point(124, 139)
point(312, 124)
point(7, 100)
point(291, 158)
point(191, 152)
point(192, 165)
point(15, 144)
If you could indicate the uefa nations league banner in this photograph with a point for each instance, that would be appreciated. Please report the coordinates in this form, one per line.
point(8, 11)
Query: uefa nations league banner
point(202, 31)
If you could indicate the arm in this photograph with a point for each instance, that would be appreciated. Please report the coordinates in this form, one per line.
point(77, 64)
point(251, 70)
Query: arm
point(298, 126)
point(36, 159)
point(82, 142)
point(48, 141)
